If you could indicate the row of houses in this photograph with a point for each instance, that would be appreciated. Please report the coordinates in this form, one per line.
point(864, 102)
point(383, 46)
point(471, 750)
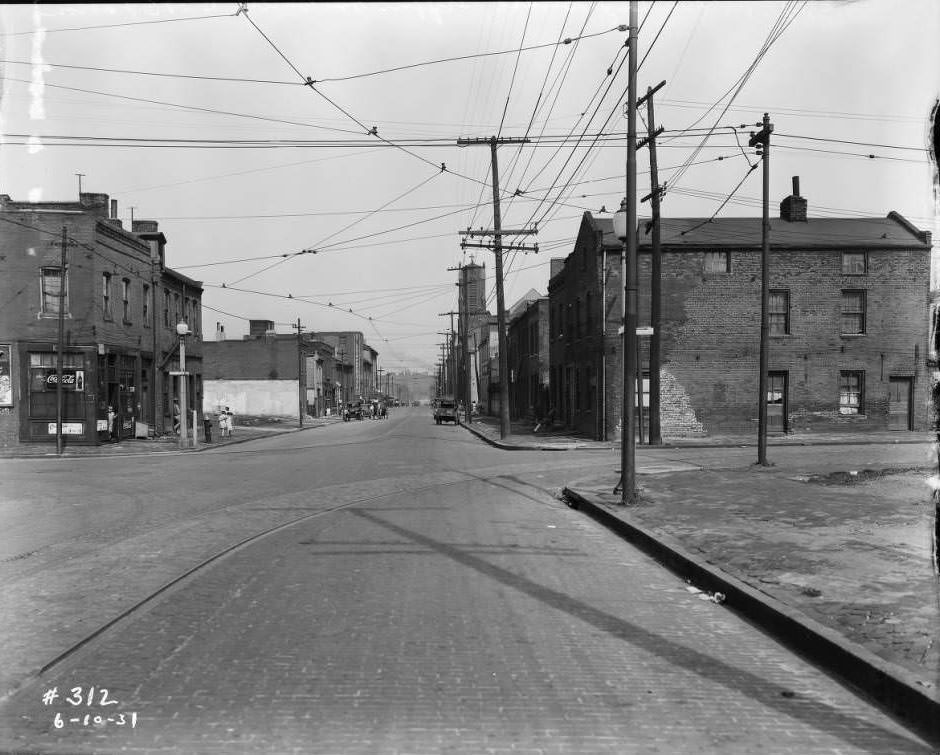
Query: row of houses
point(71, 273)
point(273, 374)
point(852, 328)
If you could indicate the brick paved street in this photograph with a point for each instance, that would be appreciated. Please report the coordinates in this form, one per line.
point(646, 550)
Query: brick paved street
point(455, 606)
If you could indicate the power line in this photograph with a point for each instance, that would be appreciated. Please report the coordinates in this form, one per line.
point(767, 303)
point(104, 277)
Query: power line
point(653, 43)
point(114, 26)
point(158, 74)
point(849, 141)
point(373, 131)
point(195, 108)
point(786, 17)
point(515, 69)
point(566, 41)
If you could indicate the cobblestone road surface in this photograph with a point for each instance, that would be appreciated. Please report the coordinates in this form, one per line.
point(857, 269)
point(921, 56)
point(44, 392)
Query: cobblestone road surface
point(473, 613)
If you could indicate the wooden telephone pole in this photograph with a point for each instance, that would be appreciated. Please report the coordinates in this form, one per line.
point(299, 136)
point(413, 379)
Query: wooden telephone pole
point(497, 233)
point(300, 375)
point(762, 141)
point(656, 274)
point(60, 341)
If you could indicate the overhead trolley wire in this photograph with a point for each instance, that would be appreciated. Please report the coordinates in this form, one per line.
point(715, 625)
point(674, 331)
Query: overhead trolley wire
point(515, 69)
point(195, 108)
point(159, 74)
point(566, 41)
point(114, 26)
point(538, 104)
point(309, 82)
point(786, 17)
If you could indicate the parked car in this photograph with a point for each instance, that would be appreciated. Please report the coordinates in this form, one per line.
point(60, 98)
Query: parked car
point(445, 410)
point(353, 410)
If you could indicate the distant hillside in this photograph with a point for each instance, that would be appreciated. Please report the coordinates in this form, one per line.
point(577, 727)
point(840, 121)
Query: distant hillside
point(413, 386)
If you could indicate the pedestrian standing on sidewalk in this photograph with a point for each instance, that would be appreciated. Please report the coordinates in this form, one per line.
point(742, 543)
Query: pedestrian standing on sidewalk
point(112, 425)
point(176, 416)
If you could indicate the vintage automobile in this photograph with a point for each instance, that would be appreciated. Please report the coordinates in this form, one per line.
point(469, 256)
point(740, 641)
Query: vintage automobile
point(353, 410)
point(445, 410)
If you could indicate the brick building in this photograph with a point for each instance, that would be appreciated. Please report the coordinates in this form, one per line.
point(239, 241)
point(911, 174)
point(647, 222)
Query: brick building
point(475, 319)
point(120, 308)
point(259, 374)
point(527, 342)
point(848, 324)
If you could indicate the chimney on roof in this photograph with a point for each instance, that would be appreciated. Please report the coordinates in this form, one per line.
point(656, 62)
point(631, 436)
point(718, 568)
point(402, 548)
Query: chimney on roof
point(793, 207)
point(219, 332)
point(145, 226)
point(114, 213)
point(96, 204)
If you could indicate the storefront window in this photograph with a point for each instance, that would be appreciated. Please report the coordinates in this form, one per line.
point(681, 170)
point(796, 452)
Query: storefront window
point(43, 380)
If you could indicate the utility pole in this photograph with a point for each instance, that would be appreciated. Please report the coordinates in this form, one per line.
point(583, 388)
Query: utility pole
point(656, 273)
point(453, 352)
point(450, 361)
point(762, 141)
point(442, 387)
point(60, 344)
point(300, 375)
point(628, 442)
point(498, 233)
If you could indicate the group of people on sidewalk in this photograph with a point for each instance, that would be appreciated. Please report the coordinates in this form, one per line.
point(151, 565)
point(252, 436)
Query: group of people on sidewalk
point(225, 418)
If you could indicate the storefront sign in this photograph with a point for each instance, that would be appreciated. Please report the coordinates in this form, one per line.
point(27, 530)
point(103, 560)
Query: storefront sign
point(72, 379)
point(6, 382)
point(68, 428)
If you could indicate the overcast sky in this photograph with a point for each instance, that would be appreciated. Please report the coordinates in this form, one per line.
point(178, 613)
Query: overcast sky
point(260, 177)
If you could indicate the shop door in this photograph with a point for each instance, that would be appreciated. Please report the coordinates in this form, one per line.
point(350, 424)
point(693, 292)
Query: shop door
point(776, 402)
point(900, 404)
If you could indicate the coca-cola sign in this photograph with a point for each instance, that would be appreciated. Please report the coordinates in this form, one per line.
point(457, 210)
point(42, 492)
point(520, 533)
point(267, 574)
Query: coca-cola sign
point(71, 378)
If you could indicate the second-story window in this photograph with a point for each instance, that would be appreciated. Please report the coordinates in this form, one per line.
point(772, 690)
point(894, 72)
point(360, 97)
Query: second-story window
point(778, 311)
point(854, 263)
point(53, 290)
point(126, 299)
point(853, 313)
point(717, 262)
point(589, 313)
point(166, 308)
point(106, 294)
point(147, 305)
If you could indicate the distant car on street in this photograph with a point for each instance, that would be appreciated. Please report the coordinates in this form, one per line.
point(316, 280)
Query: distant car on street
point(445, 410)
point(353, 411)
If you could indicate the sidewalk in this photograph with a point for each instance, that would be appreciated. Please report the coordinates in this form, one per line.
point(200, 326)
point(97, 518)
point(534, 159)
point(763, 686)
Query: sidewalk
point(251, 429)
point(523, 437)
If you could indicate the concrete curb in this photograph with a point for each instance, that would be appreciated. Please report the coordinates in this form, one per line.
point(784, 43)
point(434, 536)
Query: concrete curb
point(203, 446)
point(672, 446)
point(891, 687)
point(535, 446)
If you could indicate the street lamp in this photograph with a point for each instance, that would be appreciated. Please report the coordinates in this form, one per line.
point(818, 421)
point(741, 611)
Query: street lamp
point(182, 330)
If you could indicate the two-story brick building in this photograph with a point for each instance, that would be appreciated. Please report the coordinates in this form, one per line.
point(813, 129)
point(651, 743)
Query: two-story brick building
point(117, 344)
point(527, 342)
point(259, 374)
point(848, 324)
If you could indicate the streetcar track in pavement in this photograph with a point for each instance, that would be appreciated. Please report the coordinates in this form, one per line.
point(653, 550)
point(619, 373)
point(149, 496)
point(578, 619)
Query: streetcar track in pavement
point(129, 614)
